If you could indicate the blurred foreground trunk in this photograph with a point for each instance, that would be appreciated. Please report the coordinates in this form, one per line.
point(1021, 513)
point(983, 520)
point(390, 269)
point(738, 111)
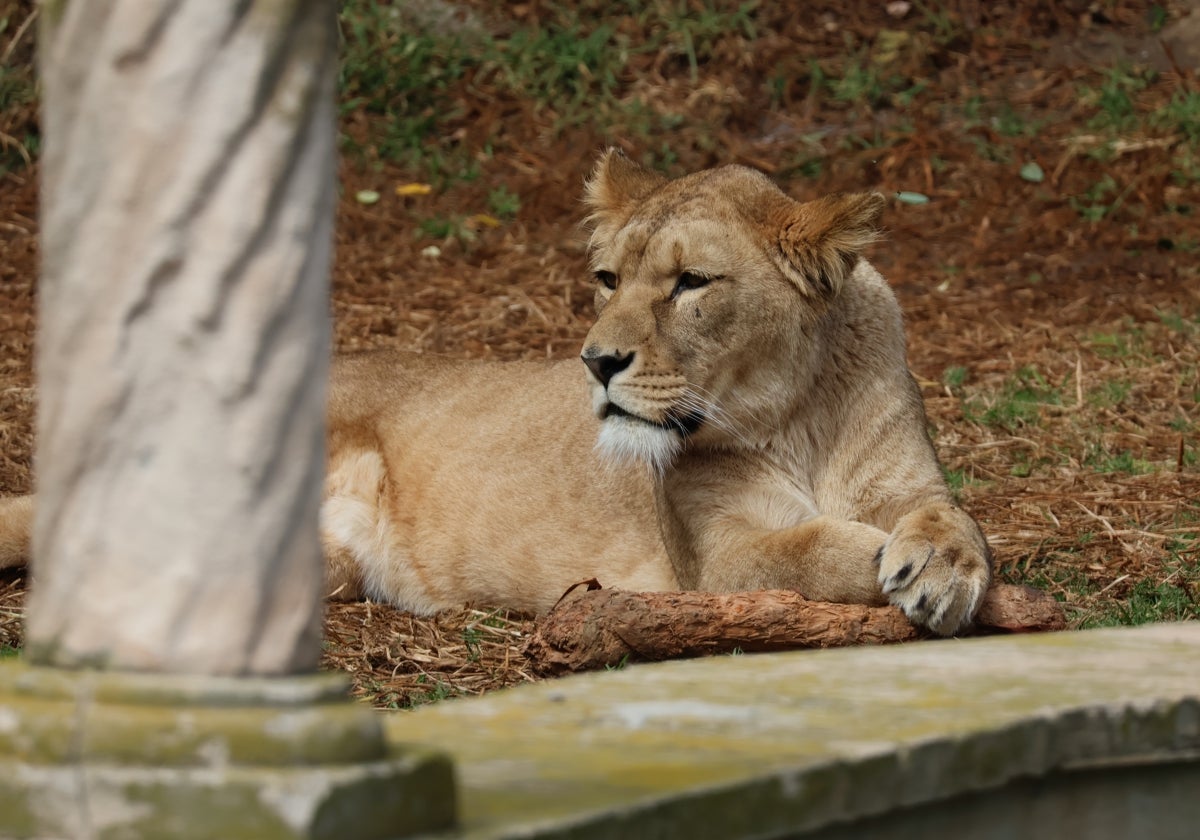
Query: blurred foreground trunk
point(188, 185)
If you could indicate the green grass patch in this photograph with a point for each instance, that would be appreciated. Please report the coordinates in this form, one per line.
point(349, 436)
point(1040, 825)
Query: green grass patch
point(570, 69)
point(1116, 112)
point(985, 149)
point(1123, 343)
point(380, 697)
point(1185, 165)
point(1018, 403)
point(1190, 456)
point(1122, 461)
point(472, 638)
point(17, 86)
point(399, 75)
point(1173, 599)
point(1114, 99)
point(954, 377)
point(860, 83)
point(1009, 122)
point(1023, 466)
point(1181, 114)
point(1063, 582)
point(9, 652)
point(18, 92)
point(436, 692)
point(1175, 321)
point(1110, 393)
point(443, 228)
point(957, 481)
point(693, 29)
point(1101, 200)
point(412, 79)
point(1157, 17)
point(503, 202)
point(620, 665)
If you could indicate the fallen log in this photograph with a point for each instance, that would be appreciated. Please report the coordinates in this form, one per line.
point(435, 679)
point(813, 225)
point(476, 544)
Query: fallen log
point(608, 627)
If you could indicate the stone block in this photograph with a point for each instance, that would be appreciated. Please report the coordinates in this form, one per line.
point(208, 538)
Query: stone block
point(116, 755)
point(952, 733)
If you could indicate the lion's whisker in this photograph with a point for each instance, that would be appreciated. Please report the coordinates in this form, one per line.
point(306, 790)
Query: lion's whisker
point(720, 417)
point(715, 414)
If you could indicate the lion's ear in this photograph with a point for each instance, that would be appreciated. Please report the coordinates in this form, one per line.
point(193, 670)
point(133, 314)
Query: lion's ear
point(820, 241)
point(616, 184)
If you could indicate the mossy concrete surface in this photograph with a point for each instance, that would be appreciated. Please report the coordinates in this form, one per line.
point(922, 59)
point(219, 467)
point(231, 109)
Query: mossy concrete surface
point(786, 745)
point(99, 754)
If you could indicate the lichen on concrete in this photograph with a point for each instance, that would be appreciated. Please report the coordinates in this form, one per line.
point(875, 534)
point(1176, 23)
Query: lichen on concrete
point(787, 743)
point(137, 756)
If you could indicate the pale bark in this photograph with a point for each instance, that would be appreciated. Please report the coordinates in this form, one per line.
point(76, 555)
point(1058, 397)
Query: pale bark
point(187, 210)
point(606, 627)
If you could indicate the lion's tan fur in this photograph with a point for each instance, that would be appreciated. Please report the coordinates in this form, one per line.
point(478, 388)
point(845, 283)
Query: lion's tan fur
point(459, 481)
point(758, 428)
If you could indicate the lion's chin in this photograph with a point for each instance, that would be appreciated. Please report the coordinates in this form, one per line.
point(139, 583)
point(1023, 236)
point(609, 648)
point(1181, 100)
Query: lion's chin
point(625, 439)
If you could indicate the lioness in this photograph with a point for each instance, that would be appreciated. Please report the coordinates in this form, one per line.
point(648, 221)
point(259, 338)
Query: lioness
point(744, 419)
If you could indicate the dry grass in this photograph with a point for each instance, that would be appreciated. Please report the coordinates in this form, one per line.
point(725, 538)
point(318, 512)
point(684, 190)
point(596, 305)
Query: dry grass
point(400, 661)
point(12, 609)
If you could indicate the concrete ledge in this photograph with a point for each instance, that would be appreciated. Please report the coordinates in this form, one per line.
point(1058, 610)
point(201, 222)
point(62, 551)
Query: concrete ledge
point(785, 745)
point(393, 798)
point(102, 754)
point(58, 716)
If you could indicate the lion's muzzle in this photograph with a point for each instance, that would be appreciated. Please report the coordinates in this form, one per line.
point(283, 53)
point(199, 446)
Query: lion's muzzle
point(605, 366)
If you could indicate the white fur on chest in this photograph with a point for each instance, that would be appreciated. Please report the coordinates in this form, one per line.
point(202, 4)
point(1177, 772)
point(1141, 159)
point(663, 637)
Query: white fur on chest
point(625, 440)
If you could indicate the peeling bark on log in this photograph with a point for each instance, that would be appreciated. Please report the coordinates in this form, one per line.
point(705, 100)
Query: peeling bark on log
point(1019, 609)
point(606, 626)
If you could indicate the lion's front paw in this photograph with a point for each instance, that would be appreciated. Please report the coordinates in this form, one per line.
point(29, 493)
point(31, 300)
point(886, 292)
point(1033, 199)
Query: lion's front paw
point(935, 565)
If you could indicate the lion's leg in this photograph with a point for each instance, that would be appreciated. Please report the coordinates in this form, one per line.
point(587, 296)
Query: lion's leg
point(936, 566)
point(16, 528)
point(825, 559)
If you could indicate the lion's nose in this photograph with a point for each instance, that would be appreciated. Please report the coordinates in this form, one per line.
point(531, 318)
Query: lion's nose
point(605, 366)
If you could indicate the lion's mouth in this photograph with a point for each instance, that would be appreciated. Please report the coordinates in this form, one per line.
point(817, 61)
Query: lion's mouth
point(684, 424)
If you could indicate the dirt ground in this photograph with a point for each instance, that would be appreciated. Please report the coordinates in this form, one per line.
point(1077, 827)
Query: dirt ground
point(1054, 321)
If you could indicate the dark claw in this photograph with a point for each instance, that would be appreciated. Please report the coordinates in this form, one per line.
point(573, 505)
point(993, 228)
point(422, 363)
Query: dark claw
point(904, 572)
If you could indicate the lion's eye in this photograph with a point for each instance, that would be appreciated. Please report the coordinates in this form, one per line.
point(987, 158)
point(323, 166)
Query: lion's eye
point(690, 280)
point(607, 279)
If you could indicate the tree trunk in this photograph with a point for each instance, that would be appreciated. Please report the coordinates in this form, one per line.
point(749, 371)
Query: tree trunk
point(607, 627)
point(188, 188)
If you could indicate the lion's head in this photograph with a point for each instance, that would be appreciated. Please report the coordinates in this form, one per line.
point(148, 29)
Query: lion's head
point(708, 290)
